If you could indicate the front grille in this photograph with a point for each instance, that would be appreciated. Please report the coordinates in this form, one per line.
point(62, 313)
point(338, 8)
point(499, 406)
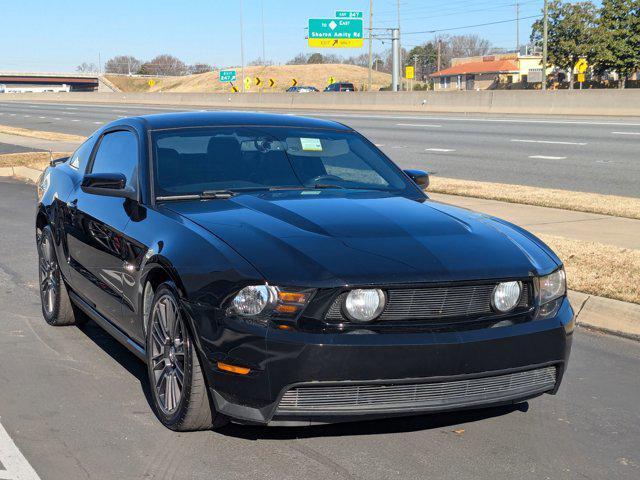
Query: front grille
point(434, 303)
point(430, 396)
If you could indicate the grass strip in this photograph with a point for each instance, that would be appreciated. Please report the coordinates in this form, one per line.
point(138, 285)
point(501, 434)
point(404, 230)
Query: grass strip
point(37, 160)
point(614, 205)
point(599, 269)
point(53, 136)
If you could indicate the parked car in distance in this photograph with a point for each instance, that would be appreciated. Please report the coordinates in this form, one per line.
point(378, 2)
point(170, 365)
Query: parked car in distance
point(302, 89)
point(340, 87)
point(274, 269)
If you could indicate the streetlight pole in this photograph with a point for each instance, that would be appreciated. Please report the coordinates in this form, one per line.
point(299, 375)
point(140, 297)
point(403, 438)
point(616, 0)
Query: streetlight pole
point(545, 39)
point(264, 55)
point(398, 35)
point(241, 47)
point(370, 41)
point(395, 60)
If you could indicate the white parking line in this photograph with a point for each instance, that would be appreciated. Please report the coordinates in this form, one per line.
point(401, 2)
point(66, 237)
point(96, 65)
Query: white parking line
point(16, 467)
point(418, 125)
point(97, 123)
point(42, 117)
point(626, 133)
point(444, 150)
point(75, 120)
point(547, 157)
point(555, 142)
point(57, 118)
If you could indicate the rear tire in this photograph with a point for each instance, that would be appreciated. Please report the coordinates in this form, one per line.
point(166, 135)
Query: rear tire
point(57, 308)
point(178, 387)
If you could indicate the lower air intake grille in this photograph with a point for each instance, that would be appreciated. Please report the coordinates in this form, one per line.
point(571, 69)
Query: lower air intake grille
point(397, 397)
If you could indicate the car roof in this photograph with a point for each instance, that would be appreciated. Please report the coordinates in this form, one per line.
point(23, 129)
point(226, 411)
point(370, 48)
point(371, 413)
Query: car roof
point(227, 118)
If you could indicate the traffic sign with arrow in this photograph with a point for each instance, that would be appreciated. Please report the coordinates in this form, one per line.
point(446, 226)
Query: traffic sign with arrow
point(258, 81)
point(331, 80)
point(294, 82)
point(272, 83)
point(234, 89)
point(247, 83)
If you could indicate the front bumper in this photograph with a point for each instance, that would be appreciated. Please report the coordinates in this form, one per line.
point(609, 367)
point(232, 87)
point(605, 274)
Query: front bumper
point(343, 377)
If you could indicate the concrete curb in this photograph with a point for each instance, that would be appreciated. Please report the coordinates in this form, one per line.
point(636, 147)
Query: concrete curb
point(607, 315)
point(599, 313)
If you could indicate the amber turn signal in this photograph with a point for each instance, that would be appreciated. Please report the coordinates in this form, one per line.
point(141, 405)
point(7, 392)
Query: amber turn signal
point(233, 368)
point(292, 297)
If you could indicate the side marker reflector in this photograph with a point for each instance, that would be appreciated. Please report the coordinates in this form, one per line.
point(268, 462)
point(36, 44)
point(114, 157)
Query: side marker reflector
point(233, 368)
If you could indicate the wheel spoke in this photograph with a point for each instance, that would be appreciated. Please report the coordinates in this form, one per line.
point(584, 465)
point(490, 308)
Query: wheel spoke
point(175, 390)
point(167, 393)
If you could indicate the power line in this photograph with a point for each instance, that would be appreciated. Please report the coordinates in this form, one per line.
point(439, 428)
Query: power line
point(471, 26)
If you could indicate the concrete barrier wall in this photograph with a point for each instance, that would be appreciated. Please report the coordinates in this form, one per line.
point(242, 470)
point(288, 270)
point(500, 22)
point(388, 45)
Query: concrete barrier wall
point(565, 102)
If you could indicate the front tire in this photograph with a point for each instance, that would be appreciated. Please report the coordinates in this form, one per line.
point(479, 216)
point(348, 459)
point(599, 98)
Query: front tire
point(179, 391)
point(57, 308)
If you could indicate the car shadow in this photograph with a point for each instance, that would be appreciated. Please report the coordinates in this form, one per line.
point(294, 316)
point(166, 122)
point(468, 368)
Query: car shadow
point(120, 354)
point(135, 367)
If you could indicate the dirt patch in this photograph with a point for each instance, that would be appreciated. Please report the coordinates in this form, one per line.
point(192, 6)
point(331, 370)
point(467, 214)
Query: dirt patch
point(599, 269)
point(53, 136)
point(545, 197)
point(314, 75)
point(37, 160)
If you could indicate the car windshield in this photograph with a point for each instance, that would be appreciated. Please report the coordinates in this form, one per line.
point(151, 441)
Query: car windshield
point(191, 161)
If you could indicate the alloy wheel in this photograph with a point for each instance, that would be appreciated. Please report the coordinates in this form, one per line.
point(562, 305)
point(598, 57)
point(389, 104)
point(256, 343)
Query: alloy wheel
point(168, 353)
point(48, 274)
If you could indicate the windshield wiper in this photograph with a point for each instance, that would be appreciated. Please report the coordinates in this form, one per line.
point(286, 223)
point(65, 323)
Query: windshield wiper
point(320, 186)
point(206, 195)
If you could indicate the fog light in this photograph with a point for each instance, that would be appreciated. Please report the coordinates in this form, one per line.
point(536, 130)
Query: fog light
point(364, 305)
point(506, 296)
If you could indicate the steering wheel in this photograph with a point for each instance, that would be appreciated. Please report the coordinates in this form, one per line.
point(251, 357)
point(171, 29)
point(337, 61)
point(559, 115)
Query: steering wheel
point(325, 178)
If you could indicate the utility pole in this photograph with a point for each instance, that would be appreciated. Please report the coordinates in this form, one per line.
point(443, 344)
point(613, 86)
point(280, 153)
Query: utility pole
point(241, 47)
point(395, 58)
point(415, 69)
point(264, 57)
point(439, 55)
point(517, 27)
point(370, 41)
point(545, 34)
point(399, 43)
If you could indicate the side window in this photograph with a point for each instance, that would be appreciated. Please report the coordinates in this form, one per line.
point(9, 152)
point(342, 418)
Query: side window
point(79, 158)
point(118, 153)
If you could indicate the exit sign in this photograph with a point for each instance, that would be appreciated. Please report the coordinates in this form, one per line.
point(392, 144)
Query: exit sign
point(348, 14)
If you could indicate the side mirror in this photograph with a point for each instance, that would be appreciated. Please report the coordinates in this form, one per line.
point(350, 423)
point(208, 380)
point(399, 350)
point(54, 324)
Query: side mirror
point(419, 177)
point(108, 184)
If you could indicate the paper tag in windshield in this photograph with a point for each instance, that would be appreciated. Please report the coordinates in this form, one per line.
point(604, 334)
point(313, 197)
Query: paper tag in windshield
point(311, 144)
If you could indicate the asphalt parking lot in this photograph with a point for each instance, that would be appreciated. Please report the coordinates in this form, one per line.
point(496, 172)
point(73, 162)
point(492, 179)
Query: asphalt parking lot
point(76, 405)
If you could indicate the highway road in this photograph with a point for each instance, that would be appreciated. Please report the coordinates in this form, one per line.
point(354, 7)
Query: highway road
point(572, 153)
point(74, 405)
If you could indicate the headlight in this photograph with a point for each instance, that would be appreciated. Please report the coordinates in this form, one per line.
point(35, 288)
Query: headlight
point(506, 296)
point(265, 299)
point(552, 286)
point(253, 299)
point(364, 305)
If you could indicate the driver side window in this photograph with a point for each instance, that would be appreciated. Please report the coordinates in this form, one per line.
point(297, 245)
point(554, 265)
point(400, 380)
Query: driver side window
point(118, 153)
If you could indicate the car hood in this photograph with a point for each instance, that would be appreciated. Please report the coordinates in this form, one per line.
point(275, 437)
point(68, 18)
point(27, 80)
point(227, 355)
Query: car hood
point(330, 238)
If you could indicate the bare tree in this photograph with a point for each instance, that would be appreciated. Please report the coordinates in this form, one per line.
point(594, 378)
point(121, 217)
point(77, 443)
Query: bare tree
point(197, 68)
point(164, 65)
point(299, 59)
point(468, 46)
point(85, 67)
point(124, 64)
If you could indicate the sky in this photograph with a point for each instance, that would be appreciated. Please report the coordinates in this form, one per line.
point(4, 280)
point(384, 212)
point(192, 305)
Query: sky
point(58, 35)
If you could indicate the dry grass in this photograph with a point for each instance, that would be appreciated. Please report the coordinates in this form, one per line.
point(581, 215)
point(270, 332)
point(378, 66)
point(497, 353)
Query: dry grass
point(545, 197)
point(53, 136)
point(599, 269)
point(314, 75)
point(37, 160)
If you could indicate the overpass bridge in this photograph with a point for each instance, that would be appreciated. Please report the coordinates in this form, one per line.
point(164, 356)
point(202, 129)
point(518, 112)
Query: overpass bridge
point(39, 82)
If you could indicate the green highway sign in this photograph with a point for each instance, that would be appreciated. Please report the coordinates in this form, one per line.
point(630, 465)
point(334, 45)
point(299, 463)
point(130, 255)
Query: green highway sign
point(348, 14)
point(335, 33)
point(227, 75)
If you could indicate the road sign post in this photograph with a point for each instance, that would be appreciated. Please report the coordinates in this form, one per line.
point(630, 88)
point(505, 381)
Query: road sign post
point(335, 33)
point(581, 66)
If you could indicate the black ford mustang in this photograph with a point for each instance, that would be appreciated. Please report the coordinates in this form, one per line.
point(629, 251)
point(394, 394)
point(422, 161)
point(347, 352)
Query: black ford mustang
point(275, 269)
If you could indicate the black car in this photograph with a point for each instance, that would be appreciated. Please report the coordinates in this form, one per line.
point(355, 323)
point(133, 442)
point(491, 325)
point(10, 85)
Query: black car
point(340, 87)
point(278, 269)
